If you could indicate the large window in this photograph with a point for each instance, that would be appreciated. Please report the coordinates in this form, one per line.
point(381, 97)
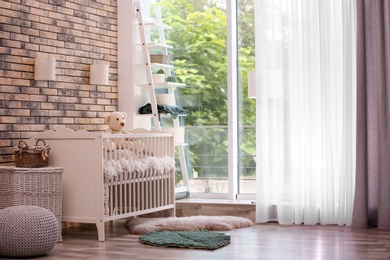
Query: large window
point(199, 39)
point(246, 106)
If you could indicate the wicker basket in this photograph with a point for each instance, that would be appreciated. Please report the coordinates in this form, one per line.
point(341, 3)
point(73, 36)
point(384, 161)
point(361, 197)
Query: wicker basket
point(32, 156)
point(159, 58)
point(32, 186)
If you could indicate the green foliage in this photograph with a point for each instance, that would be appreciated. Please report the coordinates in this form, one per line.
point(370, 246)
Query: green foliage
point(200, 60)
point(199, 50)
point(171, 79)
point(160, 71)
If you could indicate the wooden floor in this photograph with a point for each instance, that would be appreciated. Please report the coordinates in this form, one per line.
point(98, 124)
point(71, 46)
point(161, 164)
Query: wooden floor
point(265, 241)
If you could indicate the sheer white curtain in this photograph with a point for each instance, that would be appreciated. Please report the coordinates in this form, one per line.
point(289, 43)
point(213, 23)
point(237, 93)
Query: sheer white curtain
point(305, 70)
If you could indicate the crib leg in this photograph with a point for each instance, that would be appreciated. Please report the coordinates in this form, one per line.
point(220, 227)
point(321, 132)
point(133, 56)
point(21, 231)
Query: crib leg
point(172, 212)
point(100, 229)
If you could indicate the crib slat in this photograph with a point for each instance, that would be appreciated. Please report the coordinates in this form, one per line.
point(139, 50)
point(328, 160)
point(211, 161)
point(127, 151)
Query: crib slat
point(143, 189)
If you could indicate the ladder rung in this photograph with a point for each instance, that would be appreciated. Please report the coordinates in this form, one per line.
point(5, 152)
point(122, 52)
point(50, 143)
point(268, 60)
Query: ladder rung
point(154, 46)
point(161, 65)
point(165, 85)
point(159, 45)
point(155, 25)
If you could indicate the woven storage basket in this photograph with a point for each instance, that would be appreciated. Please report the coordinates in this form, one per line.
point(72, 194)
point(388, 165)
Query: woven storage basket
point(159, 58)
point(32, 156)
point(32, 186)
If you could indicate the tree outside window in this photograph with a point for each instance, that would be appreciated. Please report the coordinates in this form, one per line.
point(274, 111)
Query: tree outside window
point(199, 56)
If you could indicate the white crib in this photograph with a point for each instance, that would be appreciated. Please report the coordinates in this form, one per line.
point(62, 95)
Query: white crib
point(108, 177)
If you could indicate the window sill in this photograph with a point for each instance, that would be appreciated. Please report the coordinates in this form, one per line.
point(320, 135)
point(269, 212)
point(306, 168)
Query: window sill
point(215, 201)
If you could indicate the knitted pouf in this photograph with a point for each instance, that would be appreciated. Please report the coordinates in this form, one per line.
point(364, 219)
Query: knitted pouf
point(27, 231)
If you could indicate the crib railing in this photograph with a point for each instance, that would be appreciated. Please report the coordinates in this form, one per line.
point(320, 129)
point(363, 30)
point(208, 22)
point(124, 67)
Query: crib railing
point(139, 174)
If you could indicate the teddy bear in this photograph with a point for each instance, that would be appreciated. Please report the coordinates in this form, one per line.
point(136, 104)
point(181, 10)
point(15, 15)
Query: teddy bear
point(116, 122)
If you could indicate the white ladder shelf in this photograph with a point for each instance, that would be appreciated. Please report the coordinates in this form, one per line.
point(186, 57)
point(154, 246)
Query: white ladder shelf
point(157, 24)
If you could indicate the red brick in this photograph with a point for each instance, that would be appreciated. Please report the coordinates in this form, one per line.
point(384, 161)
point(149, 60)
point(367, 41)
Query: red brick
point(76, 34)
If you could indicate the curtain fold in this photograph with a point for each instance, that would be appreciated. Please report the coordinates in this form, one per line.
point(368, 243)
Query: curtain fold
point(306, 103)
point(372, 199)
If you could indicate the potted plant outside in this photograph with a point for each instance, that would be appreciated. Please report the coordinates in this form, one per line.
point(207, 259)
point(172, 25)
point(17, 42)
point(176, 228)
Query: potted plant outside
point(159, 76)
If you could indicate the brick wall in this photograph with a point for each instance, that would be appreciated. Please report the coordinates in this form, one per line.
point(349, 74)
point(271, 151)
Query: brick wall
point(76, 33)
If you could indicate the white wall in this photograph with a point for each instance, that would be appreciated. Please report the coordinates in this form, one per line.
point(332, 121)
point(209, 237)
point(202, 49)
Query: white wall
point(130, 96)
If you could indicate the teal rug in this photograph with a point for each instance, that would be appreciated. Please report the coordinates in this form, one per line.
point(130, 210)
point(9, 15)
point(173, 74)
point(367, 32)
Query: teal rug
point(186, 239)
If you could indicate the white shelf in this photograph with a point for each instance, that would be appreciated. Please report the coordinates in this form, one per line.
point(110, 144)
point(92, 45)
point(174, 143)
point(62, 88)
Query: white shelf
point(165, 85)
point(161, 115)
point(155, 23)
point(160, 65)
point(151, 22)
point(153, 45)
point(156, 26)
point(168, 85)
point(145, 115)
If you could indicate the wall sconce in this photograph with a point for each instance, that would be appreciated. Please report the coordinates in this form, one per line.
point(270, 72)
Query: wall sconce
point(45, 68)
point(99, 74)
point(252, 84)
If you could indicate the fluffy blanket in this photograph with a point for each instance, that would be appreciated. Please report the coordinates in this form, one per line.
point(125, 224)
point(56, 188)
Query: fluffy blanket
point(129, 162)
point(142, 226)
point(175, 111)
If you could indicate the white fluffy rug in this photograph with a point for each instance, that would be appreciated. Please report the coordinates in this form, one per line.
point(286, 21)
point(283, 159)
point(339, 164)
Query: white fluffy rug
point(142, 226)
